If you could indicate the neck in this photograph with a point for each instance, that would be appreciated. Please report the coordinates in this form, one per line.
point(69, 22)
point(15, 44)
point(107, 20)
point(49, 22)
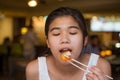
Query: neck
point(65, 68)
point(59, 69)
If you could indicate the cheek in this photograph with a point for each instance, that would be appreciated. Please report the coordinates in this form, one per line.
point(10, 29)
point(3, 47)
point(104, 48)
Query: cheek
point(52, 42)
point(77, 40)
point(77, 43)
point(53, 45)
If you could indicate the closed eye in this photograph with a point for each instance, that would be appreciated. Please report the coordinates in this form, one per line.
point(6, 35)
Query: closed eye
point(73, 30)
point(56, 34)
point(73, 33)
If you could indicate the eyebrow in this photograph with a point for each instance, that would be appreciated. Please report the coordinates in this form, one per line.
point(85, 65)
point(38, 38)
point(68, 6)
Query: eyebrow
point(55, 28)
point(74, 27)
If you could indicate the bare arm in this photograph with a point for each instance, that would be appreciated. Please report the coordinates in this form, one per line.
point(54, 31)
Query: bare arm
point(105, 66)
point(32, 71)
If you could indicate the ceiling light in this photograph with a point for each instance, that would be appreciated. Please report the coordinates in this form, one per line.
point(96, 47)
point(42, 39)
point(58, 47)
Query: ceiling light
point(32, 3)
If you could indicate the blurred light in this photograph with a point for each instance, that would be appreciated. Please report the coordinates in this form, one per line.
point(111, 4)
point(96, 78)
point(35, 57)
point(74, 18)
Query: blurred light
point(94, 17)
point(102, 53)
point(106, 53)
point(117, 45)
point(24, 30)
point(32, 3)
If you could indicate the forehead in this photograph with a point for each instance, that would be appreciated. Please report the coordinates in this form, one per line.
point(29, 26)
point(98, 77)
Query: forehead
point(64, 21)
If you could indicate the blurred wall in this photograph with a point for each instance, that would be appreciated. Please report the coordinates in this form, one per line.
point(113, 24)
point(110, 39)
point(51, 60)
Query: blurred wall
point(6, 28)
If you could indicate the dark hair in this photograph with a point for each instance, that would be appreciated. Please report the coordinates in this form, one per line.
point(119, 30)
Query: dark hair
point(77, 15)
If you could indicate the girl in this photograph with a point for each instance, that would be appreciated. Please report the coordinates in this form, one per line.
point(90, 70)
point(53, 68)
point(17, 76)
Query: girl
point(65, 30)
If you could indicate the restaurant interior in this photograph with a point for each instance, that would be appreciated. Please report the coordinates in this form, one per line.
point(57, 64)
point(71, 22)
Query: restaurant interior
point(102, 19)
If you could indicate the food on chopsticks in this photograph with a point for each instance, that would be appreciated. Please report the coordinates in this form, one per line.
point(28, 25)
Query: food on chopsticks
point(66, 56)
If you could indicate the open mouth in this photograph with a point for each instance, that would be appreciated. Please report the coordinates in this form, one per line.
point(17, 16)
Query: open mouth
point(65, 50)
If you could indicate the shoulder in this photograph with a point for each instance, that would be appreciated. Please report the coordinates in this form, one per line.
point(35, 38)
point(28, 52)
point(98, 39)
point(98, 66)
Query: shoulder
point(103, 62)
point(32, 64)
point(32, 70)
point(104, 65)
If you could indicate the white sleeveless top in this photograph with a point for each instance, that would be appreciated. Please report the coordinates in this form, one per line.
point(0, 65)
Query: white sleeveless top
point(43, 70)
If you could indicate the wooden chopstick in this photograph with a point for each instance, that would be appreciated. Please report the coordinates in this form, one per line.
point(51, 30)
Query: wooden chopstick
point(79, 63)
point(76, 66)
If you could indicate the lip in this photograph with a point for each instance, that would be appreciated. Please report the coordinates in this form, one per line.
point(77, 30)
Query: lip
point(62, 50)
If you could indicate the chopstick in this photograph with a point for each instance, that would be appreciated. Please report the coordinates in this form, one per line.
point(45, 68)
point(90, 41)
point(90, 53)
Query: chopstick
point(77, 66)
point(84, 66)
point(79, 63)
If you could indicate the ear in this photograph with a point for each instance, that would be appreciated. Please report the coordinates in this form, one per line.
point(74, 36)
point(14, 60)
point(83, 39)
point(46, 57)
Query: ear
point(47, 43)
point(85, 40)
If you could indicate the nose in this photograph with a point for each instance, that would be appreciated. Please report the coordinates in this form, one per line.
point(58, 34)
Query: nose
point(65, 38)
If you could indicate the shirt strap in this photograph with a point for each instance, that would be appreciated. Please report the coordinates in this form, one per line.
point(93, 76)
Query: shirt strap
point(43, 70)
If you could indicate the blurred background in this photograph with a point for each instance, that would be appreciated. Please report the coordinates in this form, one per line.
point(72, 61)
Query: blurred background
point(22, 37)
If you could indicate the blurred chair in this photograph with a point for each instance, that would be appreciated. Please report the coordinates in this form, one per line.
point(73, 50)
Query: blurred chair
point(17, 63)
point(3, 50)
point(17, 67)
point(3, 53)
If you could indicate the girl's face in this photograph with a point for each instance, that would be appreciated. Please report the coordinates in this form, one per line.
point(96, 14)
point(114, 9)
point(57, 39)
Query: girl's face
point(65, 35)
